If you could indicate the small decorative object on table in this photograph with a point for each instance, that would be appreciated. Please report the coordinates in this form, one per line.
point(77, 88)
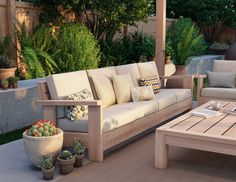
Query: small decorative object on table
point(13, 82)
point(66, 162)
point(216, 106)
point(231, 112)
point(47, 167)
point(4, 84)
point(41, 139)
point(206, 113)
point(78, 150)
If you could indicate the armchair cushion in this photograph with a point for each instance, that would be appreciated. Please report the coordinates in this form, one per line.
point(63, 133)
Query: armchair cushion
point(223, 93)
point(221, 79)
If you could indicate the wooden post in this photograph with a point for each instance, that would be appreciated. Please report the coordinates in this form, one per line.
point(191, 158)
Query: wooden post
point(160, 35)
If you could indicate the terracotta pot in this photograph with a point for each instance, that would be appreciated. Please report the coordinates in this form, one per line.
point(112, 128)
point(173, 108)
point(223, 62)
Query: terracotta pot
point(168, 59)
point(7, 73)
point(4, 86)
point(78, 160)
point(36, 147)
point(48, 174)
point(66, 166)
point(13, 85)
point(180, 70)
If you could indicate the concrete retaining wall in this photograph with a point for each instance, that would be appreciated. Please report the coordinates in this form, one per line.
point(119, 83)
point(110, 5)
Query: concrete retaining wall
point(17, 107)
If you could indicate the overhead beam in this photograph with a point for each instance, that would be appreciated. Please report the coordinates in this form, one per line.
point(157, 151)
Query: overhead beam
point(160, 35)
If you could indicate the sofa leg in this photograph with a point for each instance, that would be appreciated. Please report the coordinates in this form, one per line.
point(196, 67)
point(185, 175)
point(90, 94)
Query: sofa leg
point(95, 147)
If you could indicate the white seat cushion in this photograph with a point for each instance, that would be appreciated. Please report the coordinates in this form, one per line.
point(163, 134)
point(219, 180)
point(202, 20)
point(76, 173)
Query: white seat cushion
point(165, 99)
point(224, 93)
point(181, 94)
point(131, 69)
point(114, 116)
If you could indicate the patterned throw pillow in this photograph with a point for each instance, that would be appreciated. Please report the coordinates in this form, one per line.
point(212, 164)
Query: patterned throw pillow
point(76, 112)
point(151, 81)
point(221, 79)
point(142, 93)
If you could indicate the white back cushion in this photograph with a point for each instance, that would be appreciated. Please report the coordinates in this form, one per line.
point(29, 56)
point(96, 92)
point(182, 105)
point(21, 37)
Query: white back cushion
point(132, 70)
point(224, 66)
point(148, 69)
point(61, 85)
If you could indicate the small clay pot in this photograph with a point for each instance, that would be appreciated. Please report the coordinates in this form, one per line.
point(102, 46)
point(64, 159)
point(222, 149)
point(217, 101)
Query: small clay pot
point(168, 59)
point(14, 85)
point(66, 166)
point(78, 160)
point(48, 174)
point(5, 86)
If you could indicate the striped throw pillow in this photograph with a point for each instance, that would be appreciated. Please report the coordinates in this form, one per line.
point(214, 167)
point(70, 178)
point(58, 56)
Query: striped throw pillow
point(151, 81)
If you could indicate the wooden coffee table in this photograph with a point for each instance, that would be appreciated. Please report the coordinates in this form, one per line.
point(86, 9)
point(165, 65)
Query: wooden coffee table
point(216, 134)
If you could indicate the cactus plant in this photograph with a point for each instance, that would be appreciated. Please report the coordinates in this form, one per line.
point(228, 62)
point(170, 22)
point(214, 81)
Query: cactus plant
point(47, 166)
point(43, 128)
point(66, 162)
point(78, 147)
point(66, 155)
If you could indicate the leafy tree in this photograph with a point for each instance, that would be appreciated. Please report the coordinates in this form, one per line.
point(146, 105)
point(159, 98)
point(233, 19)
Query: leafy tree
point(103, 17)
point(210, 15)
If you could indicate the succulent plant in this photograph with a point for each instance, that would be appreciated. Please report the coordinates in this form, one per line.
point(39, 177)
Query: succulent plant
point(66, 155)
point(78, 147)
point(5, 62)
point(13, 79)
point(3, 82)
point(43, 128)
point(46, 161)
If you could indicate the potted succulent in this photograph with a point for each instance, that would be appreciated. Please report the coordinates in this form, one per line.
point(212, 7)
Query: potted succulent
point(47, 167)
point(78, 150)
point(42, 138)
point(6, 68)
point(13, 82)
point(66, 162)
point(4, 84)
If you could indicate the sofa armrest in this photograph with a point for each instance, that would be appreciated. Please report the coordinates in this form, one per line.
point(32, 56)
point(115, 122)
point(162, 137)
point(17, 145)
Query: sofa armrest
point(200, 84)
point(188, 80)
point(69, 102)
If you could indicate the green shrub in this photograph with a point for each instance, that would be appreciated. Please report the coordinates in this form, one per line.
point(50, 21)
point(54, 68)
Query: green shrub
point(185, 41)
point(36, 51)
point(133, 48)
point(77, 48)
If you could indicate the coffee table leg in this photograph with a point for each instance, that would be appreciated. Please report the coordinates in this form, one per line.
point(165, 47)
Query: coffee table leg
point(161, 152)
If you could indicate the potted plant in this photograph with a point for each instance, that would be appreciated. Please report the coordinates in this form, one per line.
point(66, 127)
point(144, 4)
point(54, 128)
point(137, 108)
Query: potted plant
point(4, 84)
point(47, 167)
point(6, 68)
point(168, 52)
point(42, 138)
point(186, 41)
point(78, 150)
point(13, 82)
point(66, 162)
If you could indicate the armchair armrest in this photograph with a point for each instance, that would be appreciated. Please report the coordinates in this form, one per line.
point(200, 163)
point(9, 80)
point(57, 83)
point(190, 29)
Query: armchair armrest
point(69, 102)
point(187, 80)
point(200, 84)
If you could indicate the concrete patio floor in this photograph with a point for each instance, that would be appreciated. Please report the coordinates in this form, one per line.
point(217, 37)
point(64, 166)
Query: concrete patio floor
point(131, 163)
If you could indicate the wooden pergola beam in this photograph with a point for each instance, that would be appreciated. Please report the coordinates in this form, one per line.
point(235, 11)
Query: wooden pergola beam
point(160, 35)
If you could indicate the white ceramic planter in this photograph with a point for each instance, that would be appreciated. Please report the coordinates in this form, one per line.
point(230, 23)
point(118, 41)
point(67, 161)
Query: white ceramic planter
point(36, 147)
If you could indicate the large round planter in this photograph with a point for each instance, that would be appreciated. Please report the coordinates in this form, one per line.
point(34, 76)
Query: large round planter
point(180, 70)
point(7, 73)
point(36, 147)
point(231, 52)
point(48, 174)
point(66, 166)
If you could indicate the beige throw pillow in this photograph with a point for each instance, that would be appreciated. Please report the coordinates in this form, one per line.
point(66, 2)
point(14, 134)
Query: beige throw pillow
point(122, 85)
point(142, 93)
point(104, 89)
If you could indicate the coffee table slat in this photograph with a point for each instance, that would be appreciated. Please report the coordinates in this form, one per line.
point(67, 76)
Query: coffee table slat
point(231, 132)
point(223, 126)
point(188, 123)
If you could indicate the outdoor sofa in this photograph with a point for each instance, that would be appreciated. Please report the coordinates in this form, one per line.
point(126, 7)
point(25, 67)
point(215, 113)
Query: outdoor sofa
point(226, 93)
point(105, 127)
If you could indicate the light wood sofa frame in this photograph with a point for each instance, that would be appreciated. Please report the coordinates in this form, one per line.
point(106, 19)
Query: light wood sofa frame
point(200, 99)
point(95, 140)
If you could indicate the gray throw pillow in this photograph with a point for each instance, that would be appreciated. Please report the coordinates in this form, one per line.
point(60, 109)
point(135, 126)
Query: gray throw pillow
point(76, 112)
point(221, 79)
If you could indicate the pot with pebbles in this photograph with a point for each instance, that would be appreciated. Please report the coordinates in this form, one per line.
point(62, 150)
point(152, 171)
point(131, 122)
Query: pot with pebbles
point(66, 162)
